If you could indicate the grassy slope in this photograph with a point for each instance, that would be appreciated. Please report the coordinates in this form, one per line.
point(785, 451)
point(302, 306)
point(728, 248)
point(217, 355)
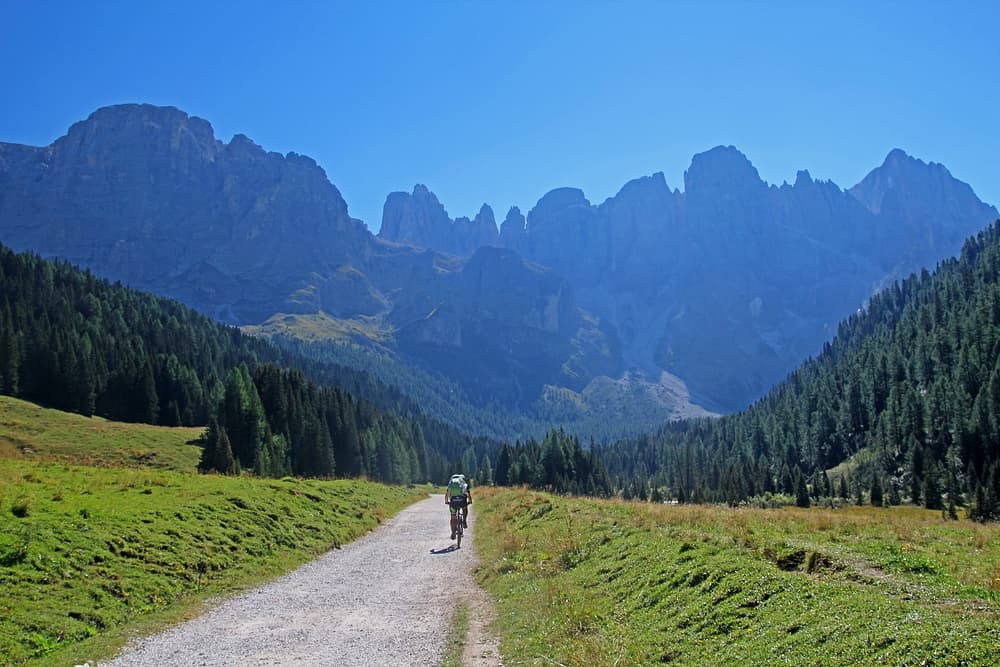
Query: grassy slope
point(582, 582)
point(90, 555)
point(28, 431)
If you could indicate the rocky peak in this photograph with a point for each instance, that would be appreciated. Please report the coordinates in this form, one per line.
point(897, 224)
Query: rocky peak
point(485, 217)
point(513, 221)
point(900, 172)
point(148, 196)
point(484, 229)
point(645, 187)
point(556, 202)
point(931, 211)
point(419, 219)
point(241, 147)
point(512, 230)
point(803, 179)
point(569, 235)
point(722, 170)
point(646, 197)
point(141, 127)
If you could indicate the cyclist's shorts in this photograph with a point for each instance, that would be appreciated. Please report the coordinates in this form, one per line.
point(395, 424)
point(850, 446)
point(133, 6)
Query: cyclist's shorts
point(457, 502)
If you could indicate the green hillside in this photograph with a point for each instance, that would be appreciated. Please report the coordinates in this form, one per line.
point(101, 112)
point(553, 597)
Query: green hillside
point(902, 406)
point(106, 531)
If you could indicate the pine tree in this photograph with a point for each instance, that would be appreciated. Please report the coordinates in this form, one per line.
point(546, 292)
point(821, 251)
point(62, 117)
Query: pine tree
point(143, 403)
point(502, 474)
point(225, 462)
point(349, 454)
point(932, 491)
point(10, 357)
point(485, 476)
point(801, 491)
point(893, 497)
point(217, 454)
point(875, 494)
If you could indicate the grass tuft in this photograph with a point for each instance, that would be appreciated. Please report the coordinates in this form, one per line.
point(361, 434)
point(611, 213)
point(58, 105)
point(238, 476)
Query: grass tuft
point(457, 637)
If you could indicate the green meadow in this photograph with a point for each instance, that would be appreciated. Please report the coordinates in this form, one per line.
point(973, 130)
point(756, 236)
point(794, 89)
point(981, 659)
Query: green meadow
point(589, 582)
point(31, 432)
point(106, 532)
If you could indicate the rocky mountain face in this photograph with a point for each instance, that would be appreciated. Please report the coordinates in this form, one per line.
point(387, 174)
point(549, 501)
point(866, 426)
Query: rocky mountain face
point(732, 282)
point(148, 196)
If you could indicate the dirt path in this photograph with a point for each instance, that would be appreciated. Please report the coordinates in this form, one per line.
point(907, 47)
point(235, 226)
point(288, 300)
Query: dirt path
point(386, 599)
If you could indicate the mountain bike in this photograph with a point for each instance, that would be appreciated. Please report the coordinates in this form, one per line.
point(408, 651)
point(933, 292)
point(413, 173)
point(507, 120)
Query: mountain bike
point(458, 504)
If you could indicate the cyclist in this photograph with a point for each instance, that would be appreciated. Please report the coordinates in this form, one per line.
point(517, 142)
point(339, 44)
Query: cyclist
point(458, 498)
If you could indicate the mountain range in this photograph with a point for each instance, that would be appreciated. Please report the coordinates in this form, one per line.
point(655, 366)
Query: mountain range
point(687, 302)
point(733, 282)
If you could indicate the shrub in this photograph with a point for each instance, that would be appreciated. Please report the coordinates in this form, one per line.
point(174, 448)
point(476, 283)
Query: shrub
point(21, 507)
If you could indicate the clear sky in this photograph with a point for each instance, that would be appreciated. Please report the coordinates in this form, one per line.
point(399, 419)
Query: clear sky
point(501, 102)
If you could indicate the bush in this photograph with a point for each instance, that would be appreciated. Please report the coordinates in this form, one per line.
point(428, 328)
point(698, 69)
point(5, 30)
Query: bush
point(21, 507)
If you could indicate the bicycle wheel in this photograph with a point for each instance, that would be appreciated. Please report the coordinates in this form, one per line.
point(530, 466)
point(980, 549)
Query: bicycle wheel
point(458, 533)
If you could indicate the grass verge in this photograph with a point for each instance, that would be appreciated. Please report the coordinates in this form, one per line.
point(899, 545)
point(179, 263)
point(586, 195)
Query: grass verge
point(587, 582)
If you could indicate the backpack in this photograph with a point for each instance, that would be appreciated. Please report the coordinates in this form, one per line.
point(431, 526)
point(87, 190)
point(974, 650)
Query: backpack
point(456, 487)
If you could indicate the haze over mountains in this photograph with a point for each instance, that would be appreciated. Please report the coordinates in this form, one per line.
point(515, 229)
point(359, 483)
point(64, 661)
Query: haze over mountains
point(727, 285)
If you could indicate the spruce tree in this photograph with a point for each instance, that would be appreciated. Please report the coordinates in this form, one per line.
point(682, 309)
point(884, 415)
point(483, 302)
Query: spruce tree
point(485, 476)
point(893, 496)
point(801, 490)
point(501, 475)
point(217, 454)
point(225, 462)
point(932, 491)
point(875, 493)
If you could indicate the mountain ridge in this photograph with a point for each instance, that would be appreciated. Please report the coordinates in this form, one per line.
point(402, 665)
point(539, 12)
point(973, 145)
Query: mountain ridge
point(723, 287)
point(145, 195)
point(761, 272)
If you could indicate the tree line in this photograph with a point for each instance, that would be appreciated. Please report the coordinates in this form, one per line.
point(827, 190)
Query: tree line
point(558, 463)
point(78, 343)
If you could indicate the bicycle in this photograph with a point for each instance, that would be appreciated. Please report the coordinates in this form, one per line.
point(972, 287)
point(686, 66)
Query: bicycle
point(459, 507)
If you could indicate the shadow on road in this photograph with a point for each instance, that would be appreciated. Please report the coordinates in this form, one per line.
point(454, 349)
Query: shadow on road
point(444, 551)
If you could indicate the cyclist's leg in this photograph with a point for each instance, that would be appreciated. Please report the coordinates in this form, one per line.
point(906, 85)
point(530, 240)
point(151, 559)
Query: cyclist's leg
point(454, 520)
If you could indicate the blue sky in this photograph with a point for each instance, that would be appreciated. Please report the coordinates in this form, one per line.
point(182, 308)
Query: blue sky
point(501, 102)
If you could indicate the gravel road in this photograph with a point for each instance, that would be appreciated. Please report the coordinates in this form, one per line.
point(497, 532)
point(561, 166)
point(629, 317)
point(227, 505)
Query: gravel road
point(385, 599)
